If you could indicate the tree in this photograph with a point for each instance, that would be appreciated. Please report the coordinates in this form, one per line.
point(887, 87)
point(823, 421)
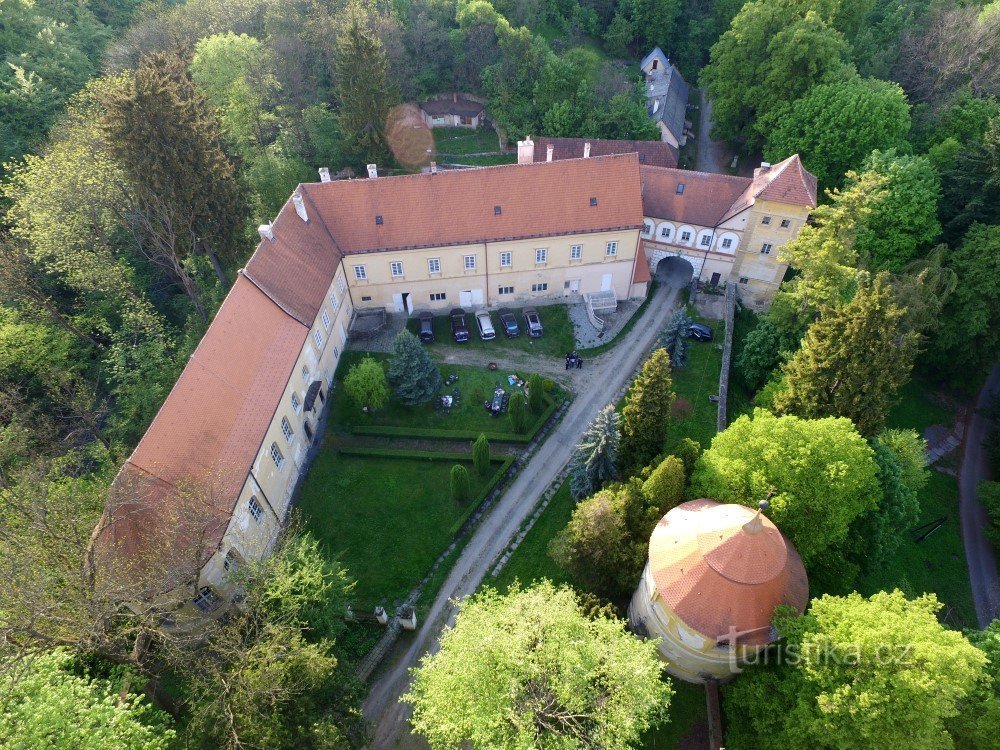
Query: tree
point(646, 413)
point(688, 451)
point(518, 412)
point(860, 673)
point(988, 495)
point(772, 54)
point(665, 486)
point(903, 218)
point(365, 93)
point(366, 383)
point(186, 195)
point(536, 394)
point(594, 546)
point(835, 126)
point(50, 705)
point(674, 337)
point(595, 457)
point(460, 486)
point(971, 185)
point(827, 377)
point(529, 669)
point(820, 475)
point(413, 376)
point(978, 722)
point(481, 455)
point(764, 348)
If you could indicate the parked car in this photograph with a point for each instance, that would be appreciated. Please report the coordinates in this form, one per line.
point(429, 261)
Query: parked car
point(459, 331)
point(699, 332)
point(426, 327)
point(509, 324)
point(532, 322)
point(485, 324)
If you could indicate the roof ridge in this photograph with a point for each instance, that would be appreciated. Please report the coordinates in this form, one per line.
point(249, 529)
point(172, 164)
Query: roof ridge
point(697, 172)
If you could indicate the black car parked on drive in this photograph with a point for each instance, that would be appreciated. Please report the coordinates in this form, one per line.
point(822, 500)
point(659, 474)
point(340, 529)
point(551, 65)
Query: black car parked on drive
point(459, 331)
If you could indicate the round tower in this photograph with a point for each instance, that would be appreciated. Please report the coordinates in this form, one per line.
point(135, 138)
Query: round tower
point(714, 576)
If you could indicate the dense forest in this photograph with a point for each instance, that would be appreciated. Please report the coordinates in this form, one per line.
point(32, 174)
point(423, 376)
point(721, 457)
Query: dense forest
point(141, 143)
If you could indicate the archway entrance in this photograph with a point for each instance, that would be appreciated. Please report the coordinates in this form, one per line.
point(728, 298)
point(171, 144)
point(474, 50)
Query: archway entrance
point(674, 271)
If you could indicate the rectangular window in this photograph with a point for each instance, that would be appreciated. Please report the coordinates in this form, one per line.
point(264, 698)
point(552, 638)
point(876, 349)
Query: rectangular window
point(366, 299)
point(706, 240)
point(256, 512)
point(277, 456)
point(396, 269)
point(433, 265)
point(506, 259)
point(318, 338)
point(785, 223)
point(727, 243)
point(231, 562)
point(765, 249)
point(305, 375)
point(296, 406)
point(286, 430)
point(665, 232)
point(326, 320)
point(539, 287)
point(206, 600)
point(766, 220)
point(744, 280)
point(575, 252)
point(611, 248)
point(333, 302)
point(541, 255)
point(470, 262)
point(505, 290)
point(341, 284)
point(438, 297)
point(360, 273)
point(685, 236)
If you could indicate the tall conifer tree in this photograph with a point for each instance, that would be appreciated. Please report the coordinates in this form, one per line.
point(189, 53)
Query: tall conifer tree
point(646, 413)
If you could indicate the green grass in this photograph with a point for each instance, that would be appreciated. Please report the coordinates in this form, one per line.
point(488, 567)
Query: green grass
point(457, 141)
point(687, 707)
point(916, 410)
point(740, 396)
point(385, 519)
point(557, 337)
point(489, 160)
point(695, 382)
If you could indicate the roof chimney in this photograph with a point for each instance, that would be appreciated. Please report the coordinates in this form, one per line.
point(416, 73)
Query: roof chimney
point(526, 151)
point(324, 174)
point(300, 206)
point(586, 150)
point(266, 232)
point(434, 167)
point(372, 171)
point(548, 152)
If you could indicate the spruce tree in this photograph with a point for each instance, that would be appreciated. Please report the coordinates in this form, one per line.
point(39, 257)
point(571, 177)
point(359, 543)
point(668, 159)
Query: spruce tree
point(481, 455)
point(518, 412)
point(460, 485)
point(674, 337)
point(536, 394)
point(853, 360)
point(185, 193)
point(595, 458)
point(646, 413)
point(363, 88)
point(414, 377)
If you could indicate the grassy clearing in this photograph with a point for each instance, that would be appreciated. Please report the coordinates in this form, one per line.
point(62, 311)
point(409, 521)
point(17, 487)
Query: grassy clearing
point(557, 339)
point(487, 160)
point(458, 141)
point(385, 519)
point(687, 708)
point(695, 382)
point(918, 408)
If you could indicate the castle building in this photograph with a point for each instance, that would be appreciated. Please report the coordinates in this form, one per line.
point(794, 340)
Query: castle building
point(714, 577)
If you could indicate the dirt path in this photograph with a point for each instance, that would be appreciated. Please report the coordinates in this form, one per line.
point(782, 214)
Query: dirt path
point(595, 386)
point(713, 156)
point(978, 550)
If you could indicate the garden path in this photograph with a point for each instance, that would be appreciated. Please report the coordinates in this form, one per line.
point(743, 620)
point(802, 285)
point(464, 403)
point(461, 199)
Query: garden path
point(595, 385)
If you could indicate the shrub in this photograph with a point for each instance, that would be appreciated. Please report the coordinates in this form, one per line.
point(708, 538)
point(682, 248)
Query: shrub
point(548, 385)
point(536, 394)
point(681, 408)
point(366, 384)
point(481, 455)
point(665, 487)
point(461, 488)
point(989, 495)
point(518, 412)
point(687, 450)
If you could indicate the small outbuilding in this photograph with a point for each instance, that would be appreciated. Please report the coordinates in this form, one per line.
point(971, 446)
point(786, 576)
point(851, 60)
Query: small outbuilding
point(714, 577)
point(454, 111)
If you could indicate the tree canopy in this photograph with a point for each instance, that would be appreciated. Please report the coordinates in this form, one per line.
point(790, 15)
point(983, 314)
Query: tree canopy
point(646, 413)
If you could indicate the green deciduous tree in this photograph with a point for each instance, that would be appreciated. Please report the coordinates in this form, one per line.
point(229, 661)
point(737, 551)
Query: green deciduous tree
point(835, 126)
point(820, 473)
point(971, 185)
point(413, 376)
point(481, 455)
point(49, 705)
point(829, 375)
point(875, 672)
point(764, 348)
point(595, 546)
point(646, 413)
point(595, 458)
point(461, 488)
point(366, 383)
point(674, 337)
point(529, 669)
point(664, 487)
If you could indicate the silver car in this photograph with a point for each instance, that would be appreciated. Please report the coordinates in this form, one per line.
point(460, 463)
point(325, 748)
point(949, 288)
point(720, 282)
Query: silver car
point(485, 324)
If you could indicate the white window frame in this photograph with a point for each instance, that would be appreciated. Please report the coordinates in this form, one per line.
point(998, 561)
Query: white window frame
point(231, 561)
point(685, 236)
point(727, 243)
point(611, 249)
point(540, 287)
point(277, 456)
point(433, 265)
point(361, 273)
point(505, 290)
point(396, 269)
point(287, 431)
point(341, 284)
point(766, 248)
point(296, 404)
point(706, 240)
point(334, 302)
point(665, 232)
point(439, 296)
point(206, 595)
point(469, 262)
point(506, 259)
point(575, 252)
point(255, 508)
point(325, 317)
point(318, 338)
point(541, 256)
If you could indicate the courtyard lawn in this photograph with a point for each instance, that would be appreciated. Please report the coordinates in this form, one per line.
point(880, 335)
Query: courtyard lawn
point(385, 519)
point(557, 338)
point(695, 382)
point(454, 142)
point(487, 160)
point(476, 385)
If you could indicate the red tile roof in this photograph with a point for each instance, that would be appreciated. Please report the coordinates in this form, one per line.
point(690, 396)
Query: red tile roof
point(651, 153)
point(784, 182)
point(458, 207)
point(704, 200)
point(720, 566)
point(641, 272)
point(209, 430)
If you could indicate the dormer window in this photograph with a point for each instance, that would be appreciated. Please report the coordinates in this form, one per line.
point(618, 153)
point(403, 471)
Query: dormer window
point(680, 189)
point(497, 210)
point(378, 219)
point(593, 201)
